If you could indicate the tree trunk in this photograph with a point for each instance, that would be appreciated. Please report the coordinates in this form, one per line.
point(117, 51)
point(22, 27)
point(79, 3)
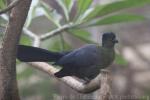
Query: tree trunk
point(8, 82)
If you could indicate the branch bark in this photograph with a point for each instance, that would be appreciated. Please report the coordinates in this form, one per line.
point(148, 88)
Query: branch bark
point(102, 80)
point(8, 82)
point(105, 91)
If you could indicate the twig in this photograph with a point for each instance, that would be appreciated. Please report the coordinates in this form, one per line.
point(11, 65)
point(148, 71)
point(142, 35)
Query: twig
point(56, 31)
point(10, 6)
point(72, 82)
point(36, 39)
point(29, 33)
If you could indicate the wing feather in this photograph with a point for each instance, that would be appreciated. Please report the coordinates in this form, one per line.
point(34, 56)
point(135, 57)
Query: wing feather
point(82, 57)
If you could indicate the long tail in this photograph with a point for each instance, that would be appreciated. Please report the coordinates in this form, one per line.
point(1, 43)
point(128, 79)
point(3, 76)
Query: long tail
point(31, 54)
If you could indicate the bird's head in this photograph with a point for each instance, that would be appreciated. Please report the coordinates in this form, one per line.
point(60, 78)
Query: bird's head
point(109, 40)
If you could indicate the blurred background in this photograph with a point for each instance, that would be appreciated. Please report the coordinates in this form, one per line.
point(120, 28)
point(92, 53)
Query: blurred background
point(86, 20)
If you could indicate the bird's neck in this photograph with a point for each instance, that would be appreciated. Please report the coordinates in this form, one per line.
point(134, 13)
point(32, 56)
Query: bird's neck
point(108, 46)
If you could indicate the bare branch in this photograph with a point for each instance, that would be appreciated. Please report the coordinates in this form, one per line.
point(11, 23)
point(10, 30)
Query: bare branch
point(56, 31)
point(29, 33)
point(36, 39)
point(36, 42)
point(100, 81)
point(105, 91)
point(10, 6)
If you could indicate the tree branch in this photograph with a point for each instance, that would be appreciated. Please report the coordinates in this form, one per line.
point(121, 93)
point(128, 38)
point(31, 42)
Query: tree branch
point(105, 91)
point(101, 80)
point(36, 39)
point(10, 6)
point(56, 31)
point(8, 82)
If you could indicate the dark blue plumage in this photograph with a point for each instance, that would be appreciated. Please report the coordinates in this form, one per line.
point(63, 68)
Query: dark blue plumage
point(31, 54)
point(77, 60)
point(84, 62)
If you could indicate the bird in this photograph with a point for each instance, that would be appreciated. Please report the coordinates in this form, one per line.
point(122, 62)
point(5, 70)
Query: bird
point(84, 63)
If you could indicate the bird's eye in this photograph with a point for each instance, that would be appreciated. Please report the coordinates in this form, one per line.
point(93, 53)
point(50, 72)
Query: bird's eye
point(113, 38)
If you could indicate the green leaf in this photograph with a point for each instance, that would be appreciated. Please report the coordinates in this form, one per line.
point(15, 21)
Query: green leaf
point(62, 4)
point(94, 13)
point(84, 15)
point(118, 19)
point(81, 34)
point(83, 5)
point(120, 60)
point(2, 4)
point(31, 13)
point(25, 40)
point(52, 15)
point(30, 17)
point(56, 44)
point(102, 10)
point(69, 4)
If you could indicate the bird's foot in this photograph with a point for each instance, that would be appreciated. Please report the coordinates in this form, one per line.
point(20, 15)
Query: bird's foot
point(86, 80)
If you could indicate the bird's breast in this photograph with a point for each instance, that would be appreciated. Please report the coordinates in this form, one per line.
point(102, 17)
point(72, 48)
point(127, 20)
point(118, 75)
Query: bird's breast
point(106, 58)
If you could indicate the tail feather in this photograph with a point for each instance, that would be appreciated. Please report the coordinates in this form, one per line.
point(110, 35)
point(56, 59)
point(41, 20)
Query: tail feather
point(31, 54)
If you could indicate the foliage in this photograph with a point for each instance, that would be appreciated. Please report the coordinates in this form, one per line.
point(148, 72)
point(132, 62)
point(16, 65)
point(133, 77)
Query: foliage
point(120, 60)
point(25, 40)
point(87, 15)
point(2, 4)
point(81, 34)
